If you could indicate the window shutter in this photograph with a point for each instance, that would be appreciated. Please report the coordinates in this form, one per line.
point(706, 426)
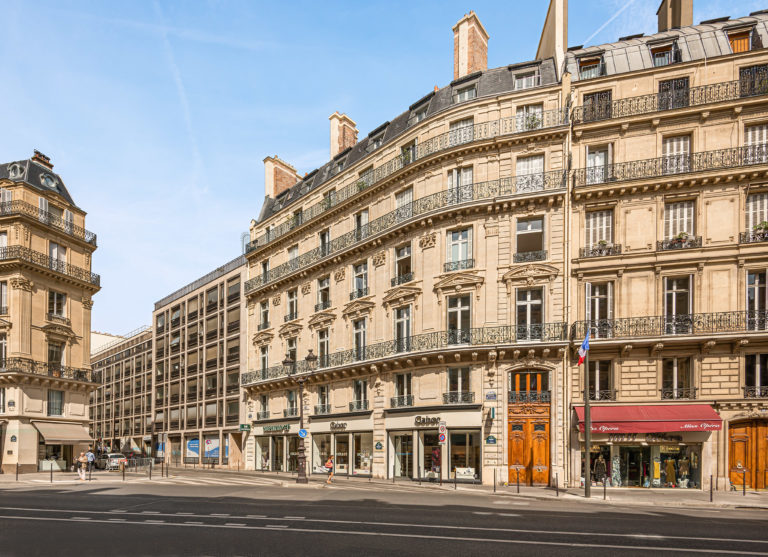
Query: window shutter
point(676, 146)
point(610, 300)
point(43, 205)
point(5, 195)
point(664, 288)
point(756, 134)
point(69, 220)
point(469, 243)
point(466, 176)
point(448, 251)
point(757, 209)
point(522, 166)
point(588, 298)
point(690, 294)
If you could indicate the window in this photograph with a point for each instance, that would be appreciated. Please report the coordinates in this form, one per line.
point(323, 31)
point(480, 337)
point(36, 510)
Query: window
point(664, 55)
point(3, 297)
point(58, 256)
point(529, 313)
point(2, 400)
point(530, 236)
point(598, 161)
point(599, 308)
point(465, 94)
point(676, 153)
point(599, 228)
point(459, 185)
point(325, 242)
point(755, 376)
point(403, 270)
point(597, 106)
point(677, 379)
point(323, 293)
point(674, 93)
point(233, 289)
point(375, 142)
point(3, 240)
point(212, 298)
point(529, 386)
point(403, 329)
point(324, 397)
point(359, 334)
point(361, 391)
point(678, 220)
point(756, 144)
point(293, 305)
point(323, 347)
point(526, 80)
point(403, 385)
point(293, 407)
point(361, 225)
point(265, 271)
point(591, 67)
point(600, 383)
point(55, 355)
point(293, 252)
point(264, 403)
point(404, 204)
point(756, 297)
point(529, 117)
point(291, 351)
point(419, 114)
point(408, 152)
point(678, 304)
point(740, 41)
point(264, 358)
point(530, 173)
point(458, 380)
point(55, 402)
point(6, 196)
point(459, 319)
point(3, 348)
point(264, 310)
point(753, 80)
point(461, 131)
point(459, 249)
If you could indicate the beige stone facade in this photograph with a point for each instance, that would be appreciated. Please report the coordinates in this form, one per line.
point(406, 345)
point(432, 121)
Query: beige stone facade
point(46, 289)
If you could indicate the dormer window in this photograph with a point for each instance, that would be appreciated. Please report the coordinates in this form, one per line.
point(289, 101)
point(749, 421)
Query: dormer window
point(591, 67)
point(418, 115)
point(527, 80)
point(465, 93)
point(375, 142)
point(664, 55)
point(740, 40)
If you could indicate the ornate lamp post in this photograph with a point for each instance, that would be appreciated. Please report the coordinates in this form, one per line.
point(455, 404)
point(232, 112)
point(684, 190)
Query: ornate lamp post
point(311, 359)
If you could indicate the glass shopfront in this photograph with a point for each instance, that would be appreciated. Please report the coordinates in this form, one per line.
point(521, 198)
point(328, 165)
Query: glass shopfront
point(418, 454)
point(353, 452)
point(278, 452)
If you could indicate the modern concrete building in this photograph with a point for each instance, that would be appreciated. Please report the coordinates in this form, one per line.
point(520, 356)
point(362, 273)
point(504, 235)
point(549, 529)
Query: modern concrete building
point(46, 289)
point(446, 267)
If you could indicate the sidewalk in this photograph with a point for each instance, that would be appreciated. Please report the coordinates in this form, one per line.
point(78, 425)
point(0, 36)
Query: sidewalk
point(65, 478)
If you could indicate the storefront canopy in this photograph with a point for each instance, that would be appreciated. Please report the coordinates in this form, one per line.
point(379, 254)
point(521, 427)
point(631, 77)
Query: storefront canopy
point(62, 433)
point(651, 419)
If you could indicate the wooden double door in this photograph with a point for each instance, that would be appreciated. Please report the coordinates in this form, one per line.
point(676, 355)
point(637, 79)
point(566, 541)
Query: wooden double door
point(529, 447)
point(748, 453)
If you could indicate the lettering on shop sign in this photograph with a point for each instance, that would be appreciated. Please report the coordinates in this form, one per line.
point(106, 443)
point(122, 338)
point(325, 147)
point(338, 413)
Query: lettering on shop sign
point(268, 428)
point(657, 437)
point(422, 421)
point(338, 426)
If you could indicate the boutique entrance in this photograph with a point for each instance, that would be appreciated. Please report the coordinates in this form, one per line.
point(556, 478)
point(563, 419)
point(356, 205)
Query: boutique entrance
point(529, 401)
point(748, 454)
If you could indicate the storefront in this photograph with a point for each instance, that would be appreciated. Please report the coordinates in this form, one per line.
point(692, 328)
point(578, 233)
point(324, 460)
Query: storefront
point(60, 443)
point(349, 439)
point(277, 447)
point(415, 451)
point(648, 446)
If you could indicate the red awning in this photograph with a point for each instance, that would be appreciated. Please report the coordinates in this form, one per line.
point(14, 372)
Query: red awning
point(651, 419)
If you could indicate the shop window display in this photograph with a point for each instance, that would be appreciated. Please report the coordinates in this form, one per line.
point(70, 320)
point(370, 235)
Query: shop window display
point(320, 452)
point(465, 455)
point(363, 453)
point(432, 449)
point(660, 466)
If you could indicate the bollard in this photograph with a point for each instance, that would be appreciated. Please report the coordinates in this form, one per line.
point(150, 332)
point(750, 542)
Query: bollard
point(150, 470)
point(123, 467)
point(557, 486)
point(604, 490)
point(17, 471)
point(393, 473)
point(744, 483)
point(419, 475)
point(51, 468)
point(162, 468)
point(518, 480)
point(494, 480)
point(454, 481)
point(238, 465)
point(90, 471)
point(710, 488)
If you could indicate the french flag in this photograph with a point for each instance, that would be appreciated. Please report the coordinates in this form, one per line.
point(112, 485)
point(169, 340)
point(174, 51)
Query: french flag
point(583, 349)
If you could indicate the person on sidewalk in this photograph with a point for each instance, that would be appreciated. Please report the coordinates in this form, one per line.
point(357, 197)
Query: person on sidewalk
point(81, 464)
point(329, 467)
point(91, 459)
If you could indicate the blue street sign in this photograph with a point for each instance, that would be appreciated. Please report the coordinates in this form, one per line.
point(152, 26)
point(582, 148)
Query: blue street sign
point(302, 433)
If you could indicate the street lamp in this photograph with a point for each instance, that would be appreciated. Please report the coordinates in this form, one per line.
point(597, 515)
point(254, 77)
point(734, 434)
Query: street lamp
point(289, 363)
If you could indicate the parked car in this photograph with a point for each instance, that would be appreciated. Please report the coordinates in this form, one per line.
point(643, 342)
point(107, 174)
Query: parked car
point(111, 461)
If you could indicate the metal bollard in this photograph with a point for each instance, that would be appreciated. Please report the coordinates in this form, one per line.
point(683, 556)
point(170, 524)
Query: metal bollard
point(711, 487)
point(419, 475)
point(494, 480)
point(604, 490)
point(90, 471)
point(162, 468)
point(51, 468)
point(150, 470)
point(123, 467)
point(744, 483)
point(17, 471)
point(393, 473)
point(557, 486)
point(518, 480)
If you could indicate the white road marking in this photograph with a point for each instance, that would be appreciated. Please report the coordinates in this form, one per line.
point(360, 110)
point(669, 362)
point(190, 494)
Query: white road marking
point(154, 522)
point(183, 514)
point(81, 518)
point(234, 524)
point(150, 512)
point(192, 522)
point(116, 519)
point(294, 517)
point(276, 526)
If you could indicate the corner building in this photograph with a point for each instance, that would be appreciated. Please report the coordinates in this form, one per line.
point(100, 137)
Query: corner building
point(424, 266)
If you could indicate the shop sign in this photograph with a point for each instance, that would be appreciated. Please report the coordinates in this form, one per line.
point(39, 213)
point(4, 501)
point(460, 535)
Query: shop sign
point(657, 437)
point(338, 426)
point(276, 428)
point(13, 438)
point(422, 421)
point(379, 446)
point(490, 395)
point(622, 437)
point(245, 427)
point(490, 440)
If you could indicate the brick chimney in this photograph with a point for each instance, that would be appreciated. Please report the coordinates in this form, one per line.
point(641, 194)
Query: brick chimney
point(278, 176)
point(41, 159)
point(674, 14)
point(343, 133)
point(470, 46)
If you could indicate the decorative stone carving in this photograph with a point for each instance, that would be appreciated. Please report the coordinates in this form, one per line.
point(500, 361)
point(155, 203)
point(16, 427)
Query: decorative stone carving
point(338, 275)
point(262, 338)
point(291, 329)
point(428, 241)
point(491, 228)
point(321, 319)
point(88, 303)
point(400, 295)
point(358, 308)
point(276, 300)
point(525, 363)
point(459, 282)
point(532, 273)
point(306, 288)
point(379, 258)
point(707, 346)
point(20, 283)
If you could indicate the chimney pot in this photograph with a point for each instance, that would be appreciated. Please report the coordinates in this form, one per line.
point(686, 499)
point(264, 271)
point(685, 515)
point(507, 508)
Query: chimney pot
point(674, 14)
point(343, 133)
point(40, 158)
point(279, 176)
point(470, 46)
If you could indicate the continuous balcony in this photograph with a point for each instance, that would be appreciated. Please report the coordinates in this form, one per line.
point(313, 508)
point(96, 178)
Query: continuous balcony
point(753, 236)
point(675, 165)
point(325, 304)
point(602, 395)
point(42, 260)
point(401, 279)
point(442, 142)
point(358, 293)
point(469, 193)
point(358, 405)
point(290, 412)
point(737, 322)
point(670, 100)
point(600, 250)
point(440, 340)
point(58, 371)
point(322, 409)
point(18, 207)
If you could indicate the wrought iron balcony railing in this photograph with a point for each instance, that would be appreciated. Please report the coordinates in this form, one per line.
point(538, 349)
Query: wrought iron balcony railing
point(685, 393)
point(58, 318)
point(442, 142)
point(684, 242)
point(42, 260)
point(402, 279)
point(358, 405)
point(358, 293)
point(753, 236)
point(517, 397)
point(290, 412)
point(529, 256)
point(600, 250)
point(681, 98)
point(672, 325)
point(291, 317)
point(468, 193)
point(263, 415)
point(720, 159)
point(458, 397)
point(325, 304)
point(756, 392)
point(321, 409)
point(26, 365)
point(403, 401)
point(602, 394)
point(458, 265)
point(263, 325)
point(19, 207)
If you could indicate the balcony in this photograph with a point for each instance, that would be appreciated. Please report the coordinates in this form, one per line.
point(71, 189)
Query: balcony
point(458, 265)
point(33, 367)
point(263, 325)
point(358, 293)
point(682, 242)
point(211, 335)
point(192, 340)
point(600, 250)
point(210, 391)
point(175, 322)
point(518, 397)
point(404, 401)
point(448, 140)
point(721, 159)
point(191, 397)
point(191, 368)
point(402, 279)
point(320, 306)
point(42, 260)
point(232, 298)
point(292, 317)
point(53, 317)
point(290, 412)
point(358, 405)
point(211, 306)
point(602, 394)
point(18, 207)
point(755, 236)
point(458, 397)
point(174, 398)
point(679, 393)
point(263, 415)
point(233, 388)
point(530, 256)
point(756, 392)
point(321, 409)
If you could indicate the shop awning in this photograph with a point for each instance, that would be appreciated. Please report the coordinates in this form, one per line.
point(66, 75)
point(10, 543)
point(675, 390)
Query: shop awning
point(651, 419)
point(62, 433)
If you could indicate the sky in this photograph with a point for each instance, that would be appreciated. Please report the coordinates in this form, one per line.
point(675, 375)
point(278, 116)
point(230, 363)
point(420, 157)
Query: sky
point(158, 114)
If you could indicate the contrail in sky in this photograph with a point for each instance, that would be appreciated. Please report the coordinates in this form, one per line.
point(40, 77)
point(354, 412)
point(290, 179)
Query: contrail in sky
point(604, 25)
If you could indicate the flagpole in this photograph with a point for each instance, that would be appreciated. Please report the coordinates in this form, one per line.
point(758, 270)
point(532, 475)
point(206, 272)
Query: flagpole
point(587, 430)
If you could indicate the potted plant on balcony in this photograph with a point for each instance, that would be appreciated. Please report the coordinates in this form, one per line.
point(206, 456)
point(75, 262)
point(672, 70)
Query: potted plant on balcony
point(760, 231)
point(532, 121)
point(680, 240)
point(601, 248)
point(361, 185)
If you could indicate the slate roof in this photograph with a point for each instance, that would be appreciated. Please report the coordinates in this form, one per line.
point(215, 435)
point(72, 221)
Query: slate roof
point(31, 173)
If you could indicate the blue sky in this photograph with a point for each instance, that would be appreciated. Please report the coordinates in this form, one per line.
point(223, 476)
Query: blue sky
point(158, 114)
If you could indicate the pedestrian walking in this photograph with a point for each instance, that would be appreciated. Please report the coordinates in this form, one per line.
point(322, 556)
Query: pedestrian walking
point(91, 459)
point(329, 467)
point(81, 464)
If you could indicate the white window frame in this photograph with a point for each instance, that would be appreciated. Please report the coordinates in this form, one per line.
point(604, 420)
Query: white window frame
point(679, 218)
point(599, 227)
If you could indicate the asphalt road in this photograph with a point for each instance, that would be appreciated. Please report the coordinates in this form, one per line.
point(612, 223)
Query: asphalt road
point(269, 519)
